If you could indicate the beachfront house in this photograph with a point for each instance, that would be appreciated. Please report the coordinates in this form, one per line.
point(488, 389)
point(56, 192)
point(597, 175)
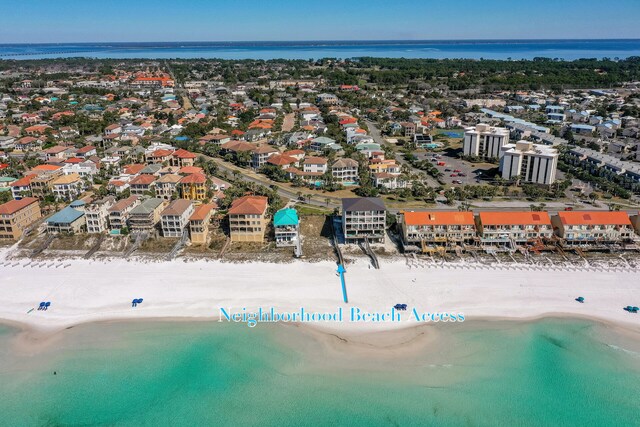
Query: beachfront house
point(68, 220)
point(363, 218)
point(199, 222)
point(118, 214)
point(247, 219)
point(18, 215)
point(175, 217)
point(287, 225)
point(579, 227)
point(97, 214)
point(146, 216)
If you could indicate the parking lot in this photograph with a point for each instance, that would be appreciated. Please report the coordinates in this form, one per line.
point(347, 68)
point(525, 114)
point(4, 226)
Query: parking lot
point(456, 171)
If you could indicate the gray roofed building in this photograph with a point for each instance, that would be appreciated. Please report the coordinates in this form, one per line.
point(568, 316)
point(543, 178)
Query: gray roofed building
point(364, 218)
point(146, 215)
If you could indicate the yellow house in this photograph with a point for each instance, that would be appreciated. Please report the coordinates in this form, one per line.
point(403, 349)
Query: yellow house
point(193, 187)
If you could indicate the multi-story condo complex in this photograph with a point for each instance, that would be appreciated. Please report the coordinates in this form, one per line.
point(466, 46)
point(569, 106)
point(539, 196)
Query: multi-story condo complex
point(286, 224)
point(119, 212)
point(511, 228)
point(97, 214)
point(145, 216)
point(484, 141)
point(247, 219)
point(16, 216)
point(364, 218)
point(437, 228)
point(531, 162)
point(175, 217)
point(593, 227)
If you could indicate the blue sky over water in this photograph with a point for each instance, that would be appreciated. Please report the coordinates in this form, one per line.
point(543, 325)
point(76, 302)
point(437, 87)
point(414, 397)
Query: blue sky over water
point(38, 21)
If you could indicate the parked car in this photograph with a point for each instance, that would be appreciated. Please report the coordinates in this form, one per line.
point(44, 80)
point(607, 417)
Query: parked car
point(457, 181)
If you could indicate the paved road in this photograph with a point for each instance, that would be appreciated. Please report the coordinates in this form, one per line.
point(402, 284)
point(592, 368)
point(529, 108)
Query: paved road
point(286, 193)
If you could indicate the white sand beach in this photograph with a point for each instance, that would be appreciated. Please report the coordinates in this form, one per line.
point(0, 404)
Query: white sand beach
point(83, 291)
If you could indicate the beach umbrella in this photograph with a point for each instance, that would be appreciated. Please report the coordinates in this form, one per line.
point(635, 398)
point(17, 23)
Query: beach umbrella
point(140, 300)
point(47, 304)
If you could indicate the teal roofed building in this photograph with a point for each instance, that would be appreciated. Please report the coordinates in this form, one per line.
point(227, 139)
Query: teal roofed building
point(68, 220)
point(286, 224)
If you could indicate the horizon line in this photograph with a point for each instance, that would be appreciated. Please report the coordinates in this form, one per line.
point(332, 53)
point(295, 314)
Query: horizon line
point(331, 41)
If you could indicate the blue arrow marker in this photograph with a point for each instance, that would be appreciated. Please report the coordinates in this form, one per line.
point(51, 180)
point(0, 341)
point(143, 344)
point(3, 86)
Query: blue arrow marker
point(341, 272)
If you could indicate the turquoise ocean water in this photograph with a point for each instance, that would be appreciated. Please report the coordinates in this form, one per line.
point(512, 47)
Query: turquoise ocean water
point(549, 372)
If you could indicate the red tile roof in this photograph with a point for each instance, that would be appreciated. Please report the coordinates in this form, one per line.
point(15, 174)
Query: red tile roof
point(13, 206)
point(249, 205)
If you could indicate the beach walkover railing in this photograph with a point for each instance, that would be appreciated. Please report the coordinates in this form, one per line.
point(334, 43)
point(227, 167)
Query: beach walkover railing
point(140, 237)
point(37, 251)
point(335, 240)
point(95, 246)
point(179, 245)
point(367, 249)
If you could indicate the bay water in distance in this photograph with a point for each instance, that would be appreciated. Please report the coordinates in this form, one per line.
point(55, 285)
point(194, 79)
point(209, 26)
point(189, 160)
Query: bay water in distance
point(468, 49)
point(548, 372)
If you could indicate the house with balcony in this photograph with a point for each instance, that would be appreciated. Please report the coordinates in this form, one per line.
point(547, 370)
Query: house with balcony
point(97, 214)
point(67, 187)
point(286, 226)
point(345, 170)
point(175, 217)
point(182, 158)
point(118, 214)
point(580, 227)
point(200, 221)
point(146, 216)
point(167, 185)
point(248, 219)
point(261, 154)
point(142, 184)
point(510, 229)
point(436, 228)
point(317, 165)
point(16, 216)
point(68, 220)
point(364, 218)
point(193, 187)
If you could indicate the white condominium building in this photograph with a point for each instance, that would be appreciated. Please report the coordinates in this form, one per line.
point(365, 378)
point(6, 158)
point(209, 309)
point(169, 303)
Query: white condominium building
point(484, 141)
point(534, 163)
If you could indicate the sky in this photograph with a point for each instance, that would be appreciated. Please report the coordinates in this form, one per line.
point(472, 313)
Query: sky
point(64, 21)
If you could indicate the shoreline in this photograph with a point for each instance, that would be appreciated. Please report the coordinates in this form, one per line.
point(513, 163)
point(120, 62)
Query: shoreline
point(90, 291)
